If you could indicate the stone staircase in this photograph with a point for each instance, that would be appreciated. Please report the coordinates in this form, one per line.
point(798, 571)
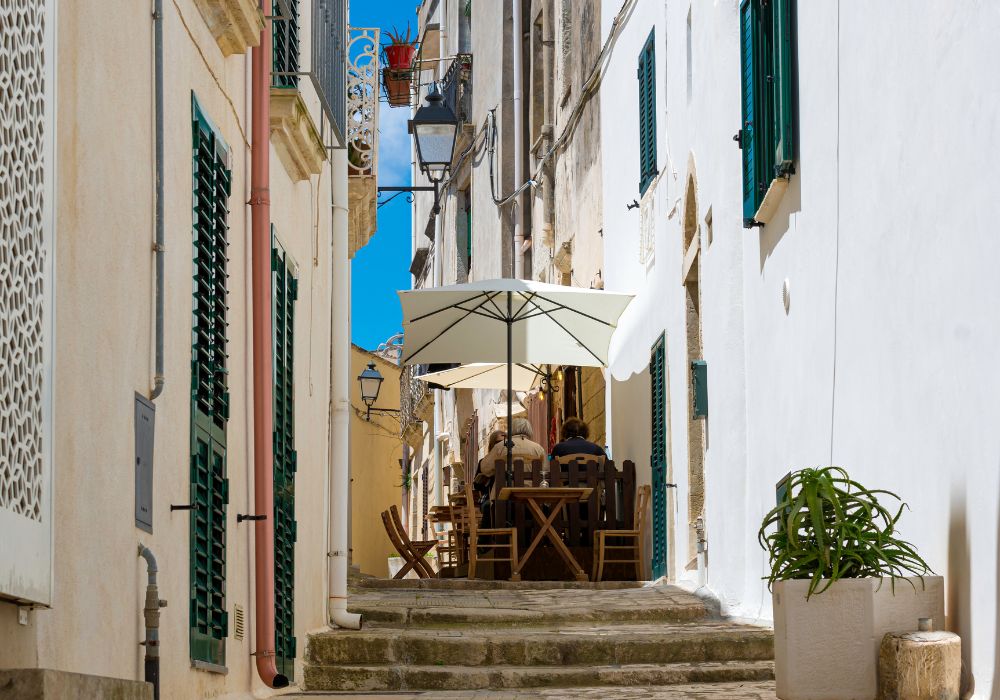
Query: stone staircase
point(456, 635)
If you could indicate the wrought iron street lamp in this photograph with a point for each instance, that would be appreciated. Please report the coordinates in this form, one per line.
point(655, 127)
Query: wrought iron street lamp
point(371, 382)
point(434, 128)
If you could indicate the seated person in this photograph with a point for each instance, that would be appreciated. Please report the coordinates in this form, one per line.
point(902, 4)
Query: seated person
point(524, 448)
point(496, 437)
point(575, 433)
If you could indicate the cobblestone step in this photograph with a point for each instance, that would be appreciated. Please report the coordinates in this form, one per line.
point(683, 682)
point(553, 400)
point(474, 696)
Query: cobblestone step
point(454, 678)
point(462, 584)
point(580, 644)
point(521, 607)
point(743, 690)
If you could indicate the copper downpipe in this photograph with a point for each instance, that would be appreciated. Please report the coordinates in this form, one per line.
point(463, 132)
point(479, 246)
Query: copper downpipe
point(260, 242)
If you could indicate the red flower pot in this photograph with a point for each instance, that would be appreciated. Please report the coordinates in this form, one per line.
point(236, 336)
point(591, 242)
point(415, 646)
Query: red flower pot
point(400, 56)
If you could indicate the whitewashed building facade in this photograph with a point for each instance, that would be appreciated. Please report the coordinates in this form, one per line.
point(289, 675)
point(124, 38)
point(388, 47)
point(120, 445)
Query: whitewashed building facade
point(857, 326)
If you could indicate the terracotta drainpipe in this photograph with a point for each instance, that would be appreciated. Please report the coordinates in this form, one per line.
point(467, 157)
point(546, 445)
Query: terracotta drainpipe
point(263, 446)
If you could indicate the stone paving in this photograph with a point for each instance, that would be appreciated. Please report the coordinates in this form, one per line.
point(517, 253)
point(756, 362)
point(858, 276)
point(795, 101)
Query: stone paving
point(481, 639)
point(523, 605)
point(706, 691)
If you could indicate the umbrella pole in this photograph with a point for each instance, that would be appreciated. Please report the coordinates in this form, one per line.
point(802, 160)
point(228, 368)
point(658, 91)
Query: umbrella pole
point(510, 388)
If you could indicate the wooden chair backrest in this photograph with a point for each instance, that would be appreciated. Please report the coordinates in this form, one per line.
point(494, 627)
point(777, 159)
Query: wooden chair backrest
point(641, 508)
point(393, 533)
point(471, 517)
point(398, 524)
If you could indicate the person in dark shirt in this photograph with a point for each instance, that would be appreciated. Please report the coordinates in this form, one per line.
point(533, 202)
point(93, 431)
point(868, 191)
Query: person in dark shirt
point(575, 433)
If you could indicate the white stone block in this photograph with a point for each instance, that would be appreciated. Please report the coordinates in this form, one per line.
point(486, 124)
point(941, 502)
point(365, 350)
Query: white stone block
point(827, 647)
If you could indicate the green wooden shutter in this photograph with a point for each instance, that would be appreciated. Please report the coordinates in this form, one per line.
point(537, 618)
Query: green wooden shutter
point(647, 113)
point(211, 188)
point(285, 36)
point(658, 455)
point(284, 292)
point(748, 77)
point(782, 86)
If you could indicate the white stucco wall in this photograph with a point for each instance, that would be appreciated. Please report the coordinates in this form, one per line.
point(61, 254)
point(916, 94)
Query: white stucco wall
point(885, 362)
point(104, 353)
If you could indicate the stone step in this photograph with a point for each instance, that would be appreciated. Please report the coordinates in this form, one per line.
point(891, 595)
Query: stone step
point(740, 690)
point(526, 607)
point(571, 645)
point(463, 584)
point(444, 678)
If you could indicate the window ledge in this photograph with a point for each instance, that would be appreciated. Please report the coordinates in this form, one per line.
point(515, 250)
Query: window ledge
point(294, 134)
point(235, 24)
point(361, 197)
point(775, 192)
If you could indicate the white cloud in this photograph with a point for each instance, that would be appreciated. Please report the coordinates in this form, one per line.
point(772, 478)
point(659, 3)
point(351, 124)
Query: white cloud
point(393, 146)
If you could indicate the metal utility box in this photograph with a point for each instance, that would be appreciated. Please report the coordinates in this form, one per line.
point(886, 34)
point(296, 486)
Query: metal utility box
point(699, 388)
point(145, 415)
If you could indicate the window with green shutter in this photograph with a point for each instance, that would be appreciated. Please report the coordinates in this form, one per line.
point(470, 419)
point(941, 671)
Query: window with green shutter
point(284, 289)
point(211, 188)
point(647, 113)
point(285, 37)
point(658, 454)
point(767, 136)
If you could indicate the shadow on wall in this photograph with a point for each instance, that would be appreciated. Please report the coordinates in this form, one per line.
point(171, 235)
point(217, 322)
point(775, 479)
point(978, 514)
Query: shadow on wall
point(771, 234)
point(630, 434)
point(958, 580)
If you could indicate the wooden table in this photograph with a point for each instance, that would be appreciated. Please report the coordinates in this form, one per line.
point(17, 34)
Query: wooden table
point(556, 497)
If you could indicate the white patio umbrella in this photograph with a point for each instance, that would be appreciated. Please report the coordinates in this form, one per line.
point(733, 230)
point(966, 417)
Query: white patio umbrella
point(510, 322)
point(484, 375)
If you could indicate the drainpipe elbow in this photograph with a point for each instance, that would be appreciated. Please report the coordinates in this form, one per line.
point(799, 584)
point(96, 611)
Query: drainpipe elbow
point(269, 672)
point(341, 618)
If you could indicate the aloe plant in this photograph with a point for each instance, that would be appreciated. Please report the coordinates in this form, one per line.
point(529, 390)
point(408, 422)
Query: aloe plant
point(397, 37)
point(829, 527)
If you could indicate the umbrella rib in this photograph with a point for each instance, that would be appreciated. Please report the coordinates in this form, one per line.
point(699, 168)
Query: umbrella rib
point(449, 327)
point(457, 305)
point(529, 299)
point(570, 308)
point(567, 332)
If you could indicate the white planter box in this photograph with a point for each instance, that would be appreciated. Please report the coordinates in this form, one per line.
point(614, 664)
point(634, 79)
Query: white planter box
point(826, 648)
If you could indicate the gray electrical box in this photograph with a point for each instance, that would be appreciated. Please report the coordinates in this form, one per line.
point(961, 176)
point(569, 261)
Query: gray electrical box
point(145, 415)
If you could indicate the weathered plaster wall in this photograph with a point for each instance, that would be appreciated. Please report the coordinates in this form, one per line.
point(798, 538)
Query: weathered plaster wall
point(376, 449)
point(104, 352)
point(884, 362)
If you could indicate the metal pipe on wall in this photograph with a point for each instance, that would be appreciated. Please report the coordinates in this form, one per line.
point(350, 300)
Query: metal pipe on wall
point(517, 47)
point(340, 402)
point(158, 246)
point(260, 209)
point(151, 621)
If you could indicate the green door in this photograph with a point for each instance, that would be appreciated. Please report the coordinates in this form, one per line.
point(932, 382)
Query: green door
point(658, 455)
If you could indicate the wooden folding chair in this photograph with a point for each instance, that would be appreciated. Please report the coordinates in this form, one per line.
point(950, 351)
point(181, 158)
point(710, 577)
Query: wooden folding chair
point(488, 538)
point(626, 542)
point(412, 551)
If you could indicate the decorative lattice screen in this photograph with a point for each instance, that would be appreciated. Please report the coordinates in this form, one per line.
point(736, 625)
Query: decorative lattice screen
point(22, 254)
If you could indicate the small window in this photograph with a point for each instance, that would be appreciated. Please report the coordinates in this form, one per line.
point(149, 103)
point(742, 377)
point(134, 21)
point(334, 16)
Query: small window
point(767, 136)
point(647, 114)
point(285, 35)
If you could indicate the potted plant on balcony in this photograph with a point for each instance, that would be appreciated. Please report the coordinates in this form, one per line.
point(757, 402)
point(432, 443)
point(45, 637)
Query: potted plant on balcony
point(399, 53)
point(840, 580)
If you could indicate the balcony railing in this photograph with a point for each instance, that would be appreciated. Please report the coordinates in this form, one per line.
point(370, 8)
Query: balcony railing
point(457, 86)
point(329, 62)
point(413, 395)
point(362, 101)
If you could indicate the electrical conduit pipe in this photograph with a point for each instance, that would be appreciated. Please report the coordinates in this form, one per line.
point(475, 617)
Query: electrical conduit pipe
point(340, 400)
point(517, 263)
point(151, 620)
point(263, 455)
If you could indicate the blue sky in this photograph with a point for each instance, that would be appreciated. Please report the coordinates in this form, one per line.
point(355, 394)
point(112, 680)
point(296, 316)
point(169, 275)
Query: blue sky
point(383, 266)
